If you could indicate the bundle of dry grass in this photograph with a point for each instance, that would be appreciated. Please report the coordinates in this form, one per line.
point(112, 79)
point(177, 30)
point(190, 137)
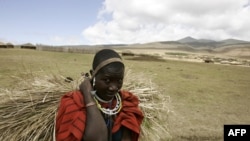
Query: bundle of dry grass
point(154, 105)
point(27, 111)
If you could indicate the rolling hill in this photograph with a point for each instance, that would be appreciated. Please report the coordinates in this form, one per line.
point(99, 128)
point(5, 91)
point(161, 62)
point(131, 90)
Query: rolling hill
point(187, 44)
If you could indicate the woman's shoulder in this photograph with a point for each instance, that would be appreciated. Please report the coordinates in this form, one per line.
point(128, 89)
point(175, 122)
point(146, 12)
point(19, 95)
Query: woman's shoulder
point(71, 94)
point(127, 95)
point(74, 96)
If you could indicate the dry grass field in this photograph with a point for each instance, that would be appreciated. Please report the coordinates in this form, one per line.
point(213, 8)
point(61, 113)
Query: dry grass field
point(203, 96)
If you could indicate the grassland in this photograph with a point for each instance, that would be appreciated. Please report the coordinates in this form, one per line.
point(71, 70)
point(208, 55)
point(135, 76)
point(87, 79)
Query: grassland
point(204, 97)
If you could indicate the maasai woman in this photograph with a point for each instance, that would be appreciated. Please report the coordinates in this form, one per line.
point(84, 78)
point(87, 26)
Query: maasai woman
point(100, 110)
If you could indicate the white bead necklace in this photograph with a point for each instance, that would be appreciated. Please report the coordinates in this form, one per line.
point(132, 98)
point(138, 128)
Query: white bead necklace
point(99, 99)
point(108, 111)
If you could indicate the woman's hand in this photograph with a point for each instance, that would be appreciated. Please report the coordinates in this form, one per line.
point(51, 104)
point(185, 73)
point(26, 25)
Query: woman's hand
point(93, 116)
point(86, 87)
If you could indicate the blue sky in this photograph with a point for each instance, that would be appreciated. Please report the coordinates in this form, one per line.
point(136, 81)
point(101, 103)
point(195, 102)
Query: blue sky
point(46, 21)
point(75, 22)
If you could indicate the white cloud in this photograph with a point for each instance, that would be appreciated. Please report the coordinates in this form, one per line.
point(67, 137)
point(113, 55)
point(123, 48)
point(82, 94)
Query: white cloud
point(139, 21)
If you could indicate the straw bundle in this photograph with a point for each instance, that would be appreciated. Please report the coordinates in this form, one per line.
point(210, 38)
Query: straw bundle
point(154, 105)
point(27, 111)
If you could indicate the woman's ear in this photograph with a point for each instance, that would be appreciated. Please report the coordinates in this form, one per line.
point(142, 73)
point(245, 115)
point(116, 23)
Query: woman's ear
point(91, 72)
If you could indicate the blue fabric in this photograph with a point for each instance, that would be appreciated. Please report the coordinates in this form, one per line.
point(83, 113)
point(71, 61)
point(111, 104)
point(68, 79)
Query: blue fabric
point(117, 136)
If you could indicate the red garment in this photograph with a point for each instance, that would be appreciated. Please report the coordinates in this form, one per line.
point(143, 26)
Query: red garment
point(71, 117)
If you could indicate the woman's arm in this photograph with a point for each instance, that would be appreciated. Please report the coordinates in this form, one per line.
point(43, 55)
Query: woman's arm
point(95, 129)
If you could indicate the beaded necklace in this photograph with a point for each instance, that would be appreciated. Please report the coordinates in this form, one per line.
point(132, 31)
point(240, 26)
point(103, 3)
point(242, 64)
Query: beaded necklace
point(109, 111)
point(101, 100)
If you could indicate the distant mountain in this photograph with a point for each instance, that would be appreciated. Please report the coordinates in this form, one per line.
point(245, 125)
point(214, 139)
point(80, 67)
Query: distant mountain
point(187, 40)
point(233, 41)
point(198, 42)
point(201, 43)
point(205, 40)
point(169, 42)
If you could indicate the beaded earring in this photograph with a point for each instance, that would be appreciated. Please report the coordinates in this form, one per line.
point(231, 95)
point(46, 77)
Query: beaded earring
point(93, 82)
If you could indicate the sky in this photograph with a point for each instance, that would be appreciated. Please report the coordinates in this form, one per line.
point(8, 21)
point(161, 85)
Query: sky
point(91, 22)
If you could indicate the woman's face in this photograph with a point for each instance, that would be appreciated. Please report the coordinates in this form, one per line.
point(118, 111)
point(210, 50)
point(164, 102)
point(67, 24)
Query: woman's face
point(108, 82)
